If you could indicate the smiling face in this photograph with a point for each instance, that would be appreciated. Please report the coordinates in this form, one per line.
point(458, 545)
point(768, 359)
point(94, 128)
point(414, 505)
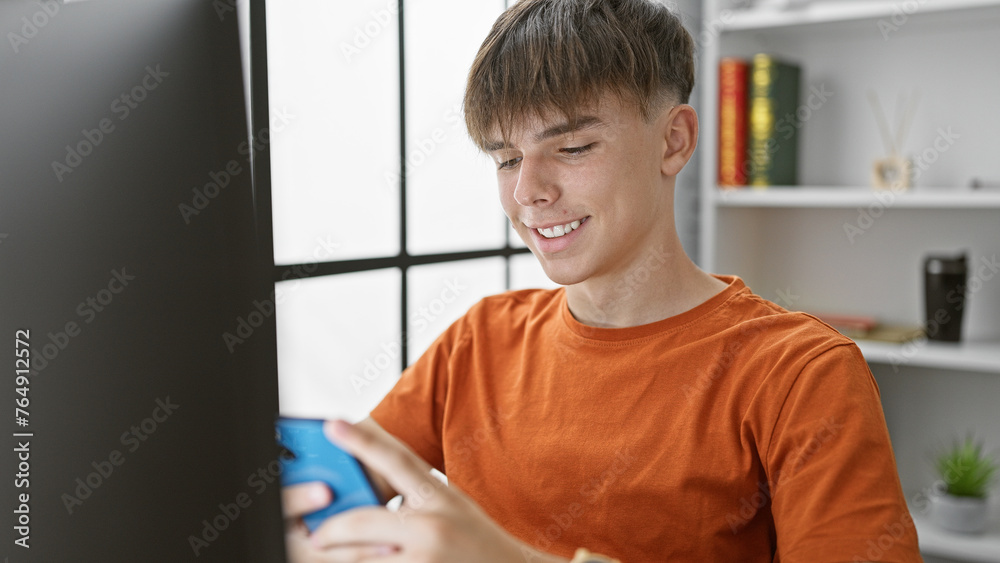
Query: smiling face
point(591, 201)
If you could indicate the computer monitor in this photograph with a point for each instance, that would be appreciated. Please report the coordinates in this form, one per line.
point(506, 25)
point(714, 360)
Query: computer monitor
point(136, 272)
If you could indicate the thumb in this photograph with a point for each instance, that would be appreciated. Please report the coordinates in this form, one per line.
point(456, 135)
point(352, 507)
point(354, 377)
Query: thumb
point(387, 456)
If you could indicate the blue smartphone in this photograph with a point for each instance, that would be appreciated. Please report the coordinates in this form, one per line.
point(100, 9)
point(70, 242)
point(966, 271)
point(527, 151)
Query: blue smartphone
point(312, 457)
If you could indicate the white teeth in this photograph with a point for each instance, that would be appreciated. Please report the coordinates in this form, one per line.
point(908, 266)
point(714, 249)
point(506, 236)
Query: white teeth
point(560, 230)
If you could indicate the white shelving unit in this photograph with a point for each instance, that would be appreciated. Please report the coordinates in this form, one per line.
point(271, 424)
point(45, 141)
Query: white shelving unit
point(966, 356)
point(940, 543)
point(840, 197)
point(834, 244)
point(823, 13)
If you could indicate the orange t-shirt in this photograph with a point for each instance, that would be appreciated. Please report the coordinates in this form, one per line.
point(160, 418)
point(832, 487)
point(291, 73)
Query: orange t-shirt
point(736, 431)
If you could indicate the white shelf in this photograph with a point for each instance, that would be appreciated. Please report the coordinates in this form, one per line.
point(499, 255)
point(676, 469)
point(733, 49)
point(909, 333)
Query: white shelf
point(850, 197)
point(832, 12)
point(965, 356)
point(983, 548)
point(790, 236)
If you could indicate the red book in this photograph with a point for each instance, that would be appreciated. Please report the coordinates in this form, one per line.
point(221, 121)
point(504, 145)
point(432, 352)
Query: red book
point(732, 122)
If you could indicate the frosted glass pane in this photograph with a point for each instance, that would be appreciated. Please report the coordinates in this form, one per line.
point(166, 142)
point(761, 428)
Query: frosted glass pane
point(452, 201)
point(441, 293)
point(338, 343)
point(526, 272)
point(333, 82)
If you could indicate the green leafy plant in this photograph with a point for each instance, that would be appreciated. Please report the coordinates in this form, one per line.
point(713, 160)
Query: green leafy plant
point(965, 469)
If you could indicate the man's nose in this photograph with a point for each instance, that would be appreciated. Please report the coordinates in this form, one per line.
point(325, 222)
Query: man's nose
point(536, 186)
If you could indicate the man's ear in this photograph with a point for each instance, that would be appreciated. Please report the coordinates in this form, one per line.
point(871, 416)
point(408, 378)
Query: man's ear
point(680, 136)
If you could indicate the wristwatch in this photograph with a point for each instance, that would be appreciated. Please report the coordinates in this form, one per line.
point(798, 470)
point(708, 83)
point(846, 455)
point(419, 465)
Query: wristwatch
point(584, 556)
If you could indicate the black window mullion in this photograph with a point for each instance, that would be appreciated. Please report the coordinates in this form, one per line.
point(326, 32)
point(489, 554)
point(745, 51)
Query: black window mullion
point(403, 253)
point(316, 269)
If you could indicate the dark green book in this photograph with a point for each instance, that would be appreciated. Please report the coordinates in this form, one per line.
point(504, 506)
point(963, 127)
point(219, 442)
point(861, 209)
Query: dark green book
point(773, 132)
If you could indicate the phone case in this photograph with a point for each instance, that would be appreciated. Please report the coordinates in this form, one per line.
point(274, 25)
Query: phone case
point(318, 459)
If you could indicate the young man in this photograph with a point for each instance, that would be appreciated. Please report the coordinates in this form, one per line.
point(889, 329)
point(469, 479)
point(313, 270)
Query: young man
point(648, 410)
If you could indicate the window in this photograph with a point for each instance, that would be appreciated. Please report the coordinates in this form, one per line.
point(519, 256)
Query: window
point(386, 220)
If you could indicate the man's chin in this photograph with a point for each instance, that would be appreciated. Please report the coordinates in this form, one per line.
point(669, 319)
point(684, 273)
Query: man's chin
point(563, 275)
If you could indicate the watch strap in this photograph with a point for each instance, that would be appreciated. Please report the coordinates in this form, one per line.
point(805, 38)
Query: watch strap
point(584, 556)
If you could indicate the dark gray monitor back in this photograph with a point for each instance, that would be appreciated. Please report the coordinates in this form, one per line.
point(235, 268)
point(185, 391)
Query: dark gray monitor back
point(129, 249)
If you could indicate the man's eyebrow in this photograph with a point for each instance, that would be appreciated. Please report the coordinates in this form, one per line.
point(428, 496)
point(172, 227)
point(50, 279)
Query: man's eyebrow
point(493, 146)
point(584, 122)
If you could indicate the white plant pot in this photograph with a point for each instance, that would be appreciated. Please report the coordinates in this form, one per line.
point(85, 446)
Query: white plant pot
point(965, 515)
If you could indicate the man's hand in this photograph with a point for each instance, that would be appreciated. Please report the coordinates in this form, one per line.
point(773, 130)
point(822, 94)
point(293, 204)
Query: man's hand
point(435, 522)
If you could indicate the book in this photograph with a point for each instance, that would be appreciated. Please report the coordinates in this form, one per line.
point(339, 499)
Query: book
point(773, 122)
point(851, 326)
point(732, 122)
point(869, 328)
point(899, 334)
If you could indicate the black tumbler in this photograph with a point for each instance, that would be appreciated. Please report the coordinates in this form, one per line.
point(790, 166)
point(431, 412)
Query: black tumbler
point(944, 296)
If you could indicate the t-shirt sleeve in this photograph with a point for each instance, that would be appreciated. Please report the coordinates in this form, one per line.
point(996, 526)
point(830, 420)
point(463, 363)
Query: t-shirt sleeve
point(413, 410)
point(835, 492)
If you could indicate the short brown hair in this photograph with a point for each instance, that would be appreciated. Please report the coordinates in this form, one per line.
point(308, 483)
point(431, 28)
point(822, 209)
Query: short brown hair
point(562, 54)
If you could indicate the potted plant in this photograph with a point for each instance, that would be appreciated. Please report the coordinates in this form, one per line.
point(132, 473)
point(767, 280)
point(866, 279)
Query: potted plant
point(958, 500)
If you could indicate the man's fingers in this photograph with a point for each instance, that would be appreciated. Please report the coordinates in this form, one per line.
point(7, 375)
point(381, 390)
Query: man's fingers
point(387, 456)
point(300, 550)
point(301, 499)
point(363, 526)
point(361, 553)
point(385, 489)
